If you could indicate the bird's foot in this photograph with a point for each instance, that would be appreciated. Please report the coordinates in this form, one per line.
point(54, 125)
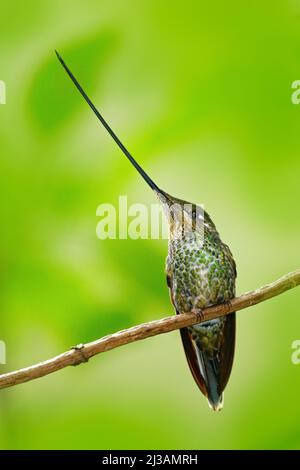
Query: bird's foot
point(79, 348)
point(228, 304)
point(199, 313)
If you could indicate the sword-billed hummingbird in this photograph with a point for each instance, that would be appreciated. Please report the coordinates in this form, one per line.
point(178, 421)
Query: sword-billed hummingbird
point(200, 272)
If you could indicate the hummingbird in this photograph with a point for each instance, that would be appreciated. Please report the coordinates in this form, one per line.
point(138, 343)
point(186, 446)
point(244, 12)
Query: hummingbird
point(200, 272)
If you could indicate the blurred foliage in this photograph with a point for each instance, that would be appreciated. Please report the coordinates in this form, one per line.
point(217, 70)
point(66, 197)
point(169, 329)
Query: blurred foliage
point(200, 92)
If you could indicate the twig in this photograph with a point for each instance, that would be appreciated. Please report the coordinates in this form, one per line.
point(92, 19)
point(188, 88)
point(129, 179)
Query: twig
point(82, 353)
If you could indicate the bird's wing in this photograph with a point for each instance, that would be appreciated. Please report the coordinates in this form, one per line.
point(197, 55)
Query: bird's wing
point(191, 356)
point(210, 371)
point(188, 345)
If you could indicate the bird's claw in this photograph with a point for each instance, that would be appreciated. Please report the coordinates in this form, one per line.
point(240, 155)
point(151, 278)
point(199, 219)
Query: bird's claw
point(199, 313)
point(229, 304)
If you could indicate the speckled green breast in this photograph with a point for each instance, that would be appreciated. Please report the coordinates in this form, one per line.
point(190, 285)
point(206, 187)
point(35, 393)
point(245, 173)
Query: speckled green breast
point(203, 273)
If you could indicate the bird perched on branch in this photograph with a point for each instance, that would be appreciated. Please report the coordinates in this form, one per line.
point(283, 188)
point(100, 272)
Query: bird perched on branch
point(200, 272)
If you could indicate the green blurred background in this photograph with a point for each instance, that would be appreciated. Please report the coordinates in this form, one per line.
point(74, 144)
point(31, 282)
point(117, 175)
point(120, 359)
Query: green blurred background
point(201, 95)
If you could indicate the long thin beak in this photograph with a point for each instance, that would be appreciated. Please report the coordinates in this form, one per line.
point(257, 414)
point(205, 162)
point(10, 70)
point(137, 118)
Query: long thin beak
point(147, 178)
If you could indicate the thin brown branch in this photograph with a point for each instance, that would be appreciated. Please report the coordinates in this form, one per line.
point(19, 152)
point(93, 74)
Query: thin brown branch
point(84, 352)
